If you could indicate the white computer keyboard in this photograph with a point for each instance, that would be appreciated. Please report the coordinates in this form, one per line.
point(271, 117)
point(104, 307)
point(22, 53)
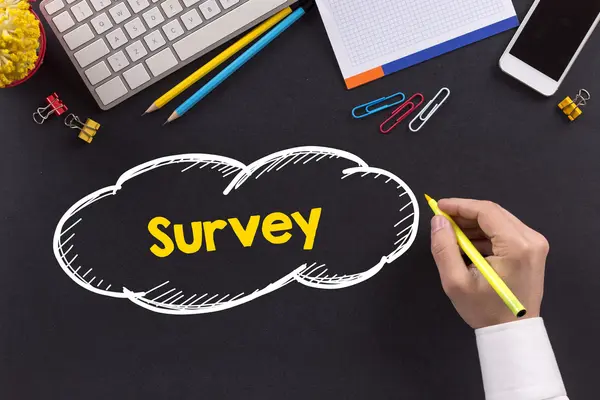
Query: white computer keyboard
point(121, 47)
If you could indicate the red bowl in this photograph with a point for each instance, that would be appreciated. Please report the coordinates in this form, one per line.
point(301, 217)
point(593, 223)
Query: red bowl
point(41, 53)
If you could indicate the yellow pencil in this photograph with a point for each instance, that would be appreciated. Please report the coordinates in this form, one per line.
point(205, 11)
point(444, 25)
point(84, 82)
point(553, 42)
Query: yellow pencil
point(218, 60)
point(482, 265)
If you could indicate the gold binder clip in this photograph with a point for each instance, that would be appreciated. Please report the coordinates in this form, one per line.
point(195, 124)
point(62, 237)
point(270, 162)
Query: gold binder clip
point(572, 108)
point(87, 131)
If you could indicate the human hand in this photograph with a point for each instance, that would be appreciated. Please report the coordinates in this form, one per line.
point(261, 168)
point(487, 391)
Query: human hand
point(515, 251)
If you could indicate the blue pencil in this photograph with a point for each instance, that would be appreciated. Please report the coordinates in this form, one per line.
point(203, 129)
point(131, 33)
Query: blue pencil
point(237, 64)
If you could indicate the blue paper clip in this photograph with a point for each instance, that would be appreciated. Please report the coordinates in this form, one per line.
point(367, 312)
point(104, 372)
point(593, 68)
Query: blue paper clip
point(369, 111)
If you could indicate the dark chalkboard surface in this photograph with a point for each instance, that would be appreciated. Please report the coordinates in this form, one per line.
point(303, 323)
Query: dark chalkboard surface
point(392, 336)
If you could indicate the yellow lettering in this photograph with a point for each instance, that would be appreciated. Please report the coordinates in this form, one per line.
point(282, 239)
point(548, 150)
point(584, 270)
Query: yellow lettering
point(277, 222)
point(309, 228)
point(162, 237)
point(246, 236)
point(196, 244)
point(209, 232)
point(277, 228)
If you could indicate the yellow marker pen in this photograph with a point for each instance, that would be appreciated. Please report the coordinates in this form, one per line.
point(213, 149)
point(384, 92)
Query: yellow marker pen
point(482, 265)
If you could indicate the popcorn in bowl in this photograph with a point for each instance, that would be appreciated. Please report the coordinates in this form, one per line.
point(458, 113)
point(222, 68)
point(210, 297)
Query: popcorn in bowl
point(22, 42)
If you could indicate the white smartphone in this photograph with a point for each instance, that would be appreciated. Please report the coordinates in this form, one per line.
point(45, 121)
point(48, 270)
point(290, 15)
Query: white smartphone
point(548, 41)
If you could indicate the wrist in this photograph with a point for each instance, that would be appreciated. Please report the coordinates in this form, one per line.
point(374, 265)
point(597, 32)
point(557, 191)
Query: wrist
point(509, 321)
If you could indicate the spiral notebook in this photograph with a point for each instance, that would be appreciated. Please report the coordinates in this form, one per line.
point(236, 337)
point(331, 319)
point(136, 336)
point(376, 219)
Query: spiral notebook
point(374, 38)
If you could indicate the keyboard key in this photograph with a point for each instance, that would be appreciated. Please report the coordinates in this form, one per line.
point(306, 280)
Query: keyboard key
point(138, 5)
point(116, 38)
point(136, 50)
point(228, 3)
point(81, 10)
point(118, 61)
point(161, 62)
point(78, 36)
point(111, 90)
point(63, 21)
point(135, 28)
point(101, 4)
point(173, 30)
point(122, 46)
point(97, 73)
point(101, 23)
point(120, 13)
point(153, 17)
point(91, 53)
point(210, 9)
point(191, 19)
point(54, 6)
point(207, 35)
point(136, 76)
point(171, 8)
point(154, 40)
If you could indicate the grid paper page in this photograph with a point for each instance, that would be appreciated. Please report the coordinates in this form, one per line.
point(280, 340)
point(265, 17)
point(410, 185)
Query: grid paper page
point(365, 33)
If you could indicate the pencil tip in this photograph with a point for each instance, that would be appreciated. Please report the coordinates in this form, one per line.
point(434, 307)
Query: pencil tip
point(428, 198)
point(173, 117)
point(150, 109)
point(166, 122)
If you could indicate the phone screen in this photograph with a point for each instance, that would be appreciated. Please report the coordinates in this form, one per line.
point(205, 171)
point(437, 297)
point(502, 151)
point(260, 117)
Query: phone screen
point(554, 33)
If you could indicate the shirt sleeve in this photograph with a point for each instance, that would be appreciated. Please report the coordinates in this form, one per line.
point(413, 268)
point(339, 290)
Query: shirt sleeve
point(518, 363)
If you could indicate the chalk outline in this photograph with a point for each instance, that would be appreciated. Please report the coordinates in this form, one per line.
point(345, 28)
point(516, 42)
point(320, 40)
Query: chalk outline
point(305, 274)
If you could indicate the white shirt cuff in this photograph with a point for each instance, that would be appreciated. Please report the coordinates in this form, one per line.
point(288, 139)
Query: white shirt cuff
point(518, 363)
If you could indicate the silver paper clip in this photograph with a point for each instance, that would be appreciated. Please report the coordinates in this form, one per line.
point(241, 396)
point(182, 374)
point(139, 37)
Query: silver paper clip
point(370, 111)
point(426, 118)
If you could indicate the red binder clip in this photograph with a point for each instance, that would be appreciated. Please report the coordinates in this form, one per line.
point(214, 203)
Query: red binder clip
point(55, 106)
point(411, 108)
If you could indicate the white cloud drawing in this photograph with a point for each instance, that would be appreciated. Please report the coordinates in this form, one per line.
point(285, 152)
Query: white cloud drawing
point(166, 299)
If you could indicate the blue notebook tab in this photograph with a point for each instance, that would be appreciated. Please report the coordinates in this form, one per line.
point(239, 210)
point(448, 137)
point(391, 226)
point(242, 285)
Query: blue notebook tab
point(374, 38)
point(450, 45)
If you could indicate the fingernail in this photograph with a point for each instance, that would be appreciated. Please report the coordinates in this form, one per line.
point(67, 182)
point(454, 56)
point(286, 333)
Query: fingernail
point(438, 223)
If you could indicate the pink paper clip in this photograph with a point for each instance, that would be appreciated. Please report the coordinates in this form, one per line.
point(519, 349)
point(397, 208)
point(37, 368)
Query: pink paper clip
point(55, 106)
point(411, 108)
